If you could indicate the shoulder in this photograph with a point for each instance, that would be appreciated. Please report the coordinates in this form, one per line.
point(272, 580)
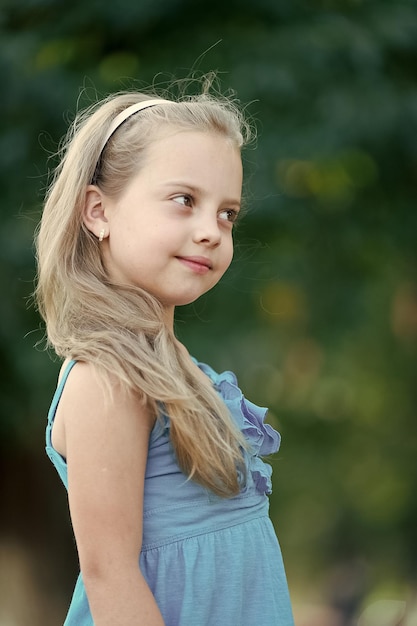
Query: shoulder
point(87, 383)
point(85, 377)
point(92, 403)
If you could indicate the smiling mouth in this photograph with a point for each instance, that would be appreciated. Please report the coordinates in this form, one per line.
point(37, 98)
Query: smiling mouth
point(198, 264)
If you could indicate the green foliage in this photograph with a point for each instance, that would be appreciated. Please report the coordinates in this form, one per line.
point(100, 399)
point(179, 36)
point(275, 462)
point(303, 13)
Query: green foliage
point(318, 314)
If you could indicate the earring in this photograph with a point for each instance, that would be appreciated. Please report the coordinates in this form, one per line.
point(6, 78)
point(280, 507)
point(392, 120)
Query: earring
point(101, 235)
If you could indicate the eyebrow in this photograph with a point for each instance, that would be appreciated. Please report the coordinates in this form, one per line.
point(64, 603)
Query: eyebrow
point(197, 190)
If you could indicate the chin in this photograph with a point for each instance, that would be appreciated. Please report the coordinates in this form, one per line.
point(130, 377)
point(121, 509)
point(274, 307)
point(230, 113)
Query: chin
point(189, 299)
point(186, 301)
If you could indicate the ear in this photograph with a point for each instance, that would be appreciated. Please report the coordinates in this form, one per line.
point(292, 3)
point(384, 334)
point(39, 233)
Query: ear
point(94, 216)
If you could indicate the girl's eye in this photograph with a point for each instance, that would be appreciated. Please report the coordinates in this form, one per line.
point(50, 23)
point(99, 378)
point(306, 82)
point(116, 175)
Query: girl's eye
point(184, 199)
point(229, 215)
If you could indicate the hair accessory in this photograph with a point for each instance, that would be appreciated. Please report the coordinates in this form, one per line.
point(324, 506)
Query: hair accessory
point(128, 112)
point(101, 235)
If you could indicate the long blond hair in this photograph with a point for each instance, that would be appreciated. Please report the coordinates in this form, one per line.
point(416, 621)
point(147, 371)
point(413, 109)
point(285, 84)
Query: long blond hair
point(120, 329)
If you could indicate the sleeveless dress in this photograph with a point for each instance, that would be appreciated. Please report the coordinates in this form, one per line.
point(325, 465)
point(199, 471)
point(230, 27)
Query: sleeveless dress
point(209, 561)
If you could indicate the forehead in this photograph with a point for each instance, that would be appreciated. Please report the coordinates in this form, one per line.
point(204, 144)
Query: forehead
point(204, 161)
point(178, 147)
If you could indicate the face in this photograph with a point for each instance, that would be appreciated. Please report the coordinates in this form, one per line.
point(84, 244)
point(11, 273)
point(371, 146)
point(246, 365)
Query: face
point(170, 232)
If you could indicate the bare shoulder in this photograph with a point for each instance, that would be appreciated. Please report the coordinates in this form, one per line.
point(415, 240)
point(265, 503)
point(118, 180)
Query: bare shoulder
point(89, 406)
point(85, 378)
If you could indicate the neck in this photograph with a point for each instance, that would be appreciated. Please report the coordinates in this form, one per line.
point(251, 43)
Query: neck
point(169, 317)
point(169, 323)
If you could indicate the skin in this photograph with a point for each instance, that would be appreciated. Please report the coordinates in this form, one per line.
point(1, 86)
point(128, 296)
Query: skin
point(171, 233)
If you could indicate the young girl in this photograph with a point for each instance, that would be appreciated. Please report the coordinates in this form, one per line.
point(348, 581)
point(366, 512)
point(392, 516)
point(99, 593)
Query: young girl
point(160, 454)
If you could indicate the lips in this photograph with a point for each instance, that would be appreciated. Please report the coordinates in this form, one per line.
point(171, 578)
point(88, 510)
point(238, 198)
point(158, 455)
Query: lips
point(198, 264)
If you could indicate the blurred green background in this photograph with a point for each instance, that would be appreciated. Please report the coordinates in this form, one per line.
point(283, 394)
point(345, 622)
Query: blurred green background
point(318, 314)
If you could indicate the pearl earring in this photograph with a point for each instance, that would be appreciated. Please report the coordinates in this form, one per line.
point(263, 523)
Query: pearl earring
point(101, 235)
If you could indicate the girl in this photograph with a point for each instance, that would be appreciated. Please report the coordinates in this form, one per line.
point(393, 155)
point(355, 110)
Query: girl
point(159, 453)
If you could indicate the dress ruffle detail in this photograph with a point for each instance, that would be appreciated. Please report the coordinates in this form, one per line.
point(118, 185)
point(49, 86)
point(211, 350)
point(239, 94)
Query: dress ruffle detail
point(262, 438)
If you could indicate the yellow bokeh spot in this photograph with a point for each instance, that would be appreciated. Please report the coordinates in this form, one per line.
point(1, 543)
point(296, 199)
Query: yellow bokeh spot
point(297, 177)
point(332, 181)
point(284, 302)
point(118, 65)
point(54, 53)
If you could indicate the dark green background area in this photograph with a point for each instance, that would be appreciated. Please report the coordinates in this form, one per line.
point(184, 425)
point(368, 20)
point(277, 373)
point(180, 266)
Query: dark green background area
point(318, 313)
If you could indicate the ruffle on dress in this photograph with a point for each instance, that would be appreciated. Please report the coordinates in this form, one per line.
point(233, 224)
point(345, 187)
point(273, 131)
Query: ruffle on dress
point(262, 438)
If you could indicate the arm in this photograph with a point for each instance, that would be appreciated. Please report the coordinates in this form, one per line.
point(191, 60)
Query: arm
point(106, 444)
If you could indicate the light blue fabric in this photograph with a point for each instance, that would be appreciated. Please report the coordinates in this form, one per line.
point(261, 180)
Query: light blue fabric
point(208, 561)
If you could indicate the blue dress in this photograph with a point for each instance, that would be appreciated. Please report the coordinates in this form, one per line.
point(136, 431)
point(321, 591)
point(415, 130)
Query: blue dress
point(209, 561)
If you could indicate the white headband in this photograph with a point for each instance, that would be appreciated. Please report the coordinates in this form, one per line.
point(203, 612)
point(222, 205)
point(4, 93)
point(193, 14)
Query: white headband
point(134, 108)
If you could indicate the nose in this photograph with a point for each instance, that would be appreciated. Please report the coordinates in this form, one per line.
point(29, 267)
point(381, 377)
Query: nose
point(207, 230)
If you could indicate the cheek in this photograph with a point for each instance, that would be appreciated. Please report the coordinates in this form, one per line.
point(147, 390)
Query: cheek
point(227, 254)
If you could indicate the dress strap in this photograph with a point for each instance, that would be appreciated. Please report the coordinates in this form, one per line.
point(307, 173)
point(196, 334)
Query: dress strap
point(59, 390)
